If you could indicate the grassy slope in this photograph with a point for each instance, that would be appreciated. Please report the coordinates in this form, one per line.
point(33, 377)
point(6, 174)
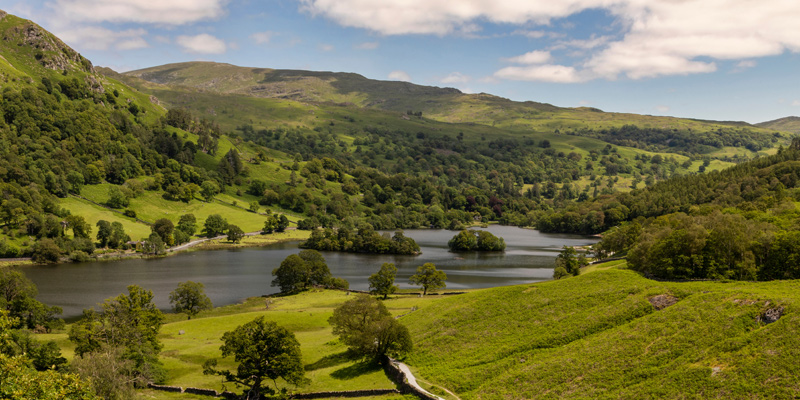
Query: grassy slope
point(356, 91)
point(305, 314)
point(788, 124)
point(597, 336)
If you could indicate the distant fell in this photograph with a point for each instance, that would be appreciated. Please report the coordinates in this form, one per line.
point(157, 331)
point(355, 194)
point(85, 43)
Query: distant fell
point(786, 124)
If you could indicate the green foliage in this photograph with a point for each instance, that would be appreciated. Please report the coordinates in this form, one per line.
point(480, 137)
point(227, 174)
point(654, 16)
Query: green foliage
point(382, 282)
point(111, 376)
point(429, 278)
point(153, 245)
point(235, 234)
point(43, 356)
point(188, 224)
point(366, 240)
point(129, 321)
point(117, 198)
point(111, 235)
point(209, 189)
point(17, 298)
point(568, 263)
point(164, 228)
point(189, 298)
point(22, 382)
point(263, 350)
point(45, 251)
point(368, 329)
point(474, 240)
point(299, 271)
point(215, 225)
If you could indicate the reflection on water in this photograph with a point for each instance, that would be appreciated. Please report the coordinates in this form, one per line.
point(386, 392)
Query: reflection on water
point(233, 275)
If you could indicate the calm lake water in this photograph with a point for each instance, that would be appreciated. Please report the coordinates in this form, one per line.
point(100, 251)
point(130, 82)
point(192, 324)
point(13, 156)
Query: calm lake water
point(233, 275)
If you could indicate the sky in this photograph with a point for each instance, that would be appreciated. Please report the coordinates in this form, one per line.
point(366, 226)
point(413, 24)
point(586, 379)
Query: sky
point(736, 60)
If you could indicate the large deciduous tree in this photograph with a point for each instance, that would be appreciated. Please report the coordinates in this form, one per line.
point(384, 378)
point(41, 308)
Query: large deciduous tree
point(382, 282)
point(189, 298)
point(429, 278)
point(129, 321)
point(368, 329)
point(299, 271)
point(263, 351)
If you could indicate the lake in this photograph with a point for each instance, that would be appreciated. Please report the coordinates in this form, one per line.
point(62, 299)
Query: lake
point(233, 275)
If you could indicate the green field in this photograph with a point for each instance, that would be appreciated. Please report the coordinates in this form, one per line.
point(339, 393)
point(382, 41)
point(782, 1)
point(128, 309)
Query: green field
point(598, 336)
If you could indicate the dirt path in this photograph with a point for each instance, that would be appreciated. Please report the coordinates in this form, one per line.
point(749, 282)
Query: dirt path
point(412, 380)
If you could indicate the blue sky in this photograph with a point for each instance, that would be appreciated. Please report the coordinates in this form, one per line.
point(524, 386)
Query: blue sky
point(709, 59)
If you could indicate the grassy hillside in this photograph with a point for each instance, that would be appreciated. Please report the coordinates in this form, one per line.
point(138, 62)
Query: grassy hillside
point(788, 124)
point(347, 90)
point(599, 336)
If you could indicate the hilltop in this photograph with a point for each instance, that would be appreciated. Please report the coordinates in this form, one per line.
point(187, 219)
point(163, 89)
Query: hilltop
point(787, 124)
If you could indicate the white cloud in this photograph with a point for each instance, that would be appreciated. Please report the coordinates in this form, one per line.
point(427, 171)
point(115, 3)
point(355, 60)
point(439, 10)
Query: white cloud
point(167, 12)
point(796, 103)
point(98, 38)
point(745, 64)
point(662, 108)
point(326, 47)
point(531, 57)
point(367, 46)
point(399, 76)
point(202, 44)
point(543, 73)
point(456, 77)
point(657, 37)
point(262, 37)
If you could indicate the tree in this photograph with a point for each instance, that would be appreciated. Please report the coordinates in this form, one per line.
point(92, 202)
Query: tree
point(189, 298)
point(215, 225)
point(282, 223)
point(368, 329)
point(116, 198)
point(567, 263)
point(164, 228)
point(188, 224)
point(153, 245)
point(429, 278)
point(291, 275)
point(318, 271)
point(18, 297)
point(299, 271)
point(45, 251)
point(103, 232)
point(80, 228)
point(235, 234)
point(270, 224)
point(129, 321)
point(263, 351)
point(209, 189)
point(382, 282)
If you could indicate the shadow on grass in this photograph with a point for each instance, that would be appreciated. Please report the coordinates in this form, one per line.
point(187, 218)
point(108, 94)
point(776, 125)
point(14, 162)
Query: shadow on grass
point(356, 370)
point(330, 361)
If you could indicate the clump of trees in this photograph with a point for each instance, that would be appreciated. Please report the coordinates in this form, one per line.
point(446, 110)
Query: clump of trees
point(369, 330)
point(18, 299)
point(275, 223)
point(569, 263)
point(26, 376)
point(127, 326)
point(263, 350)
point(476, 240)
point(365, 240)
point(301, 271)
point(429, 278)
